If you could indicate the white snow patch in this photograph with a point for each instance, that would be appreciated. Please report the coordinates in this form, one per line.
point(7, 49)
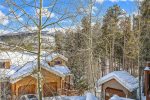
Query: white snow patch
point(18, 58)
point(61, 69)
point(21, 58)
point(115, 97)
point(87, 96)
point(90, 96)
point(24, 70)
point(5, 73)
point(147, 68)
point(52, 56)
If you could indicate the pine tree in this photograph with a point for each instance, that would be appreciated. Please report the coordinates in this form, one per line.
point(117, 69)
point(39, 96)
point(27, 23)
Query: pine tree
point(145, 32)
point(111, 33)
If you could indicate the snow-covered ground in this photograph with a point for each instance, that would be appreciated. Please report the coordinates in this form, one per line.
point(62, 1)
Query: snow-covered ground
point(88, 96)
point(115, 97)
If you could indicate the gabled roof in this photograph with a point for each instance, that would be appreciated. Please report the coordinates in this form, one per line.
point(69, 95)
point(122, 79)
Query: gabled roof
point(147, 68)
point(30, 67)
point(5, 74)
point(123, 77)
point(52, 56)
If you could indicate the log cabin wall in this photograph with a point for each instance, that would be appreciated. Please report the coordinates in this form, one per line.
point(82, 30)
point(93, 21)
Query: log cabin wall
point(51, 83)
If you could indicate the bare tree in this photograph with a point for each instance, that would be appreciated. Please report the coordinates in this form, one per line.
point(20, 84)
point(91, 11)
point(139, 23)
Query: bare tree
point(32, 17)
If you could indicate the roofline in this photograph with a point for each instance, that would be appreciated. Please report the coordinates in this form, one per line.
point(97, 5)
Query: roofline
point(114, 77)
point(19, 78)
point(30, 73)
point(61, 56)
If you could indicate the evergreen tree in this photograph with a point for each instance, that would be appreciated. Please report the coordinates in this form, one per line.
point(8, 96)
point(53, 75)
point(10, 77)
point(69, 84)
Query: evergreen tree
point(111, 35)
point(145, 30)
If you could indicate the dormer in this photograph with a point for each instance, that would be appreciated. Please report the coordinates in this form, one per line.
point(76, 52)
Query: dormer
point(5, 63)
point(56, 59)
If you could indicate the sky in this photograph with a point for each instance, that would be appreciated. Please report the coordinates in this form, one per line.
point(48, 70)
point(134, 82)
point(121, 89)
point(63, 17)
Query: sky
point(71, 7)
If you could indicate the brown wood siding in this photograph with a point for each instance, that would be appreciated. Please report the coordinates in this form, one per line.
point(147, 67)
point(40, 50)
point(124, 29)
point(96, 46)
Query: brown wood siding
point(109, 92)
point(27, 89)
point(48, 77)
point(115, 85)
point(50, 89)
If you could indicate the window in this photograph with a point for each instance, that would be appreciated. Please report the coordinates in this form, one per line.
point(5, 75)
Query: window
point(58, 62)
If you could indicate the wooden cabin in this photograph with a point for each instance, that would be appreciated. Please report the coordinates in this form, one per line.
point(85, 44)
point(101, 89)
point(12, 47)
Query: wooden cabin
point(56, 77)
point(119, 83)
point(147, 81)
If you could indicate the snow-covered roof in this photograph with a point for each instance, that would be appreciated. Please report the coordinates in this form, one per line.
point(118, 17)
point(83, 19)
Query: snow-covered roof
point(21, 58)
point(24, 64)
point(115, 97)
point(30, 67)
point(61, 69)
point(147, 68)
point(52, 56)
point(123, 77)
point(5, 73)
point(18, 58)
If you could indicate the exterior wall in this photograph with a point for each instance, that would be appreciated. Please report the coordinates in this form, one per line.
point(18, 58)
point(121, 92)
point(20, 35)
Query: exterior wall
point(52, 63)
point(50, 77)
point(115, 85)
point(29, 80)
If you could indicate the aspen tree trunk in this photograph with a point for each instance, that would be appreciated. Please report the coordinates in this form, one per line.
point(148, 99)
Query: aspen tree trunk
point(123, 52)
point(92, 76)
point(112, 55)
point(39, 53)
point(139, 53)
